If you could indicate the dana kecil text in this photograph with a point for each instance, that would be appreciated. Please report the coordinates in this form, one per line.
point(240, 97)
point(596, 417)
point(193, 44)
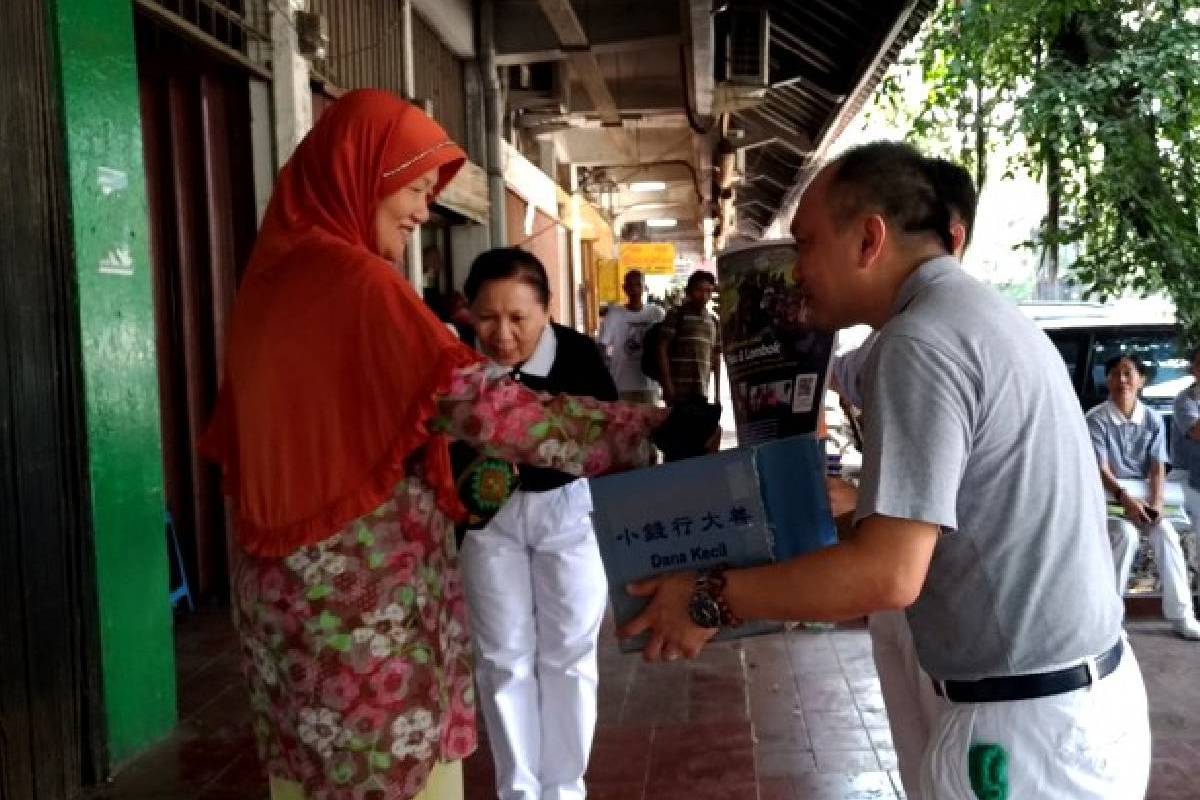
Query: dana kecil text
point(694, 556)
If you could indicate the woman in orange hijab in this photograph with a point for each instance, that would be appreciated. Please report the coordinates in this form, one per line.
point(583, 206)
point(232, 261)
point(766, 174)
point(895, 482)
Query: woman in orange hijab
point(340, 388)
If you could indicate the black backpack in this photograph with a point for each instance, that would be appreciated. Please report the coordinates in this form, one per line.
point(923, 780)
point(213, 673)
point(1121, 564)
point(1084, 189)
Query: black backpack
point(650, 343)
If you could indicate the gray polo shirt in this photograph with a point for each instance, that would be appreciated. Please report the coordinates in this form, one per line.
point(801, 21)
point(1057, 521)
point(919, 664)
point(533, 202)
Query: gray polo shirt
point(1128, 447)
point(1187, 451)
point(971, 424)
point(847, 370)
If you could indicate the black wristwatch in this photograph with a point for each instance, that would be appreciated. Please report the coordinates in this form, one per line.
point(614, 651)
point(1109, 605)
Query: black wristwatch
point(703, 608)
point(708, 607)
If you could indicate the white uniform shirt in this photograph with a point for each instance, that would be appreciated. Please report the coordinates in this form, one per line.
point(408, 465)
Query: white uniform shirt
point(1128, 447)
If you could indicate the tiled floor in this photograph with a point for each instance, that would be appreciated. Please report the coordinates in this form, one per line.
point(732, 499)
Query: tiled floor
point(783, 717)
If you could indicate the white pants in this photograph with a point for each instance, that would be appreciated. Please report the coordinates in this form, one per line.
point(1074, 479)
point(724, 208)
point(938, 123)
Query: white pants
point(912, 706)
point(536, 592)
point(1090, 744)
point(1168, 554)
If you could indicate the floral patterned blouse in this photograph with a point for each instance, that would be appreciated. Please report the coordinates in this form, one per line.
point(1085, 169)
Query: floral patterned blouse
point(356, 648)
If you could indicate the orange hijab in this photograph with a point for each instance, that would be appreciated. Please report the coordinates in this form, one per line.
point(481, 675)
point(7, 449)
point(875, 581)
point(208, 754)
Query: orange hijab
point(333, 362)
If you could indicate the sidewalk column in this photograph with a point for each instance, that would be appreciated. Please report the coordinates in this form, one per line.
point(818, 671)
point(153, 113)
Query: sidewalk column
point(120, 385)
point(414, 252)
point(578, 303)
point(493, 106)
point(292, 84)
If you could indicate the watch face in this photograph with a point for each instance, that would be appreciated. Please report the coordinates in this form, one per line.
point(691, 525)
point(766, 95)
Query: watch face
point(704, 611)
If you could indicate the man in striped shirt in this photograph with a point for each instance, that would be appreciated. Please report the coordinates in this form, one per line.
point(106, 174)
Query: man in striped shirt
point(689, 347)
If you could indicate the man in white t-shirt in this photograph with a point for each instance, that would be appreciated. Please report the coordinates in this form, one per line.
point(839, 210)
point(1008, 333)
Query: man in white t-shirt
point(621, 334)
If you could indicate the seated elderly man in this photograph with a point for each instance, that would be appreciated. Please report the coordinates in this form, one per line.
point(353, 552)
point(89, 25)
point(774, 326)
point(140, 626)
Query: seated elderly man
point(1131, 443)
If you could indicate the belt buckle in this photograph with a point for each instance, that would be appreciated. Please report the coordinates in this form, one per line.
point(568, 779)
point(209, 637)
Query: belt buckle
point(1093, 672)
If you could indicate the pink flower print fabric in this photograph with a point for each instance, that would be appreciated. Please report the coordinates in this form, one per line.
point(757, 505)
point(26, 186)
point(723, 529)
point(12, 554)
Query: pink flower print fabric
point(579, 435)
point(356, 654)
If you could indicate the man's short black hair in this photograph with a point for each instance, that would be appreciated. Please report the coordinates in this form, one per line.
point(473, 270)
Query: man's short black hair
point(1138, 364)
point(955, 186)
point(700, 276)
point(913, 192)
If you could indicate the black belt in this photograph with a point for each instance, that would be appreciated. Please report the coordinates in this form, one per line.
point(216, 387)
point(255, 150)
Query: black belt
point(1028, 687)
point(542, 479)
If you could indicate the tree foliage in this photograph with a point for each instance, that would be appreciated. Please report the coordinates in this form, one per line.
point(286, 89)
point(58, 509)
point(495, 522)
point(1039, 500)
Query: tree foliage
point(1102, 99)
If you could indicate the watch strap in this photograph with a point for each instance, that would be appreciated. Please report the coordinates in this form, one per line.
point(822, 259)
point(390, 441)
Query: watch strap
point(713, 581)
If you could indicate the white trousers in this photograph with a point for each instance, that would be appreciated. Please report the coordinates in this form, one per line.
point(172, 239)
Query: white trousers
point(912, 706)
point(1090, 744)
point(536, 593)
point(1123, 535)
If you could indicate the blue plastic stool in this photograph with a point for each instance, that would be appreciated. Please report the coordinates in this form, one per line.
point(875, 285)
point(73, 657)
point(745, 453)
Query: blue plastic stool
point(181, 592)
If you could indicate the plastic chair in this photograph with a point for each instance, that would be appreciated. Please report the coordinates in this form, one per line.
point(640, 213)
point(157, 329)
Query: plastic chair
point(182, 591)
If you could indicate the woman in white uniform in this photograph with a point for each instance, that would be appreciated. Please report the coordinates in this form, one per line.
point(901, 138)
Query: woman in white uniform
point(534, 580)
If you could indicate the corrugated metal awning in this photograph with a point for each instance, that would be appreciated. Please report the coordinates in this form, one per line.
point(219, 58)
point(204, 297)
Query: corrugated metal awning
point(827, 57)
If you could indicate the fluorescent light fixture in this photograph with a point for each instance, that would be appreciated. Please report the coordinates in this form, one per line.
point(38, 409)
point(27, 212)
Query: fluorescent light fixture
point(647, 186)
point(664, 222)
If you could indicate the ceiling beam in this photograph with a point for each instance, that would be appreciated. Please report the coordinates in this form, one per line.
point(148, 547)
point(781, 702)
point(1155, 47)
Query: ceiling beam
point(574, 41)
point(452, 21)
point(849, 108)
point(597, 147)
point(523, 27)
point(565, 22)
point(700, 29)
point(587, 71)
point(665, 41)
point(651, 95)
point(635, 119)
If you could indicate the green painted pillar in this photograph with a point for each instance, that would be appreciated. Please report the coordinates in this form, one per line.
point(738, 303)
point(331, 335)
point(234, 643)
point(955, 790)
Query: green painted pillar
point(116, 317)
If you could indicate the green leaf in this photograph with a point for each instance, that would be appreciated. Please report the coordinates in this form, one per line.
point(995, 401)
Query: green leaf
point(1113, 90)
point(540, 430)
point(339, 642)
point(381, 761)
point(405, 595)
point(420, 655)
point(342, 773)
point(375, 560)
point(328, 621)
point(319, 592)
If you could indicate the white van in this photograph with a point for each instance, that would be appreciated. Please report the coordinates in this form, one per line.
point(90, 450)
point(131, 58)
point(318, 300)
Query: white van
point(1087, 335)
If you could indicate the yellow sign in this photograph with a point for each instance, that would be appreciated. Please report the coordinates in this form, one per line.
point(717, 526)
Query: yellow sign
point(608, 281)
point(657, 258)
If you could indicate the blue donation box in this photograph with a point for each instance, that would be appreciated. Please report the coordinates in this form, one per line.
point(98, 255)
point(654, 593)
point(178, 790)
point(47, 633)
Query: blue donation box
point(743, 507)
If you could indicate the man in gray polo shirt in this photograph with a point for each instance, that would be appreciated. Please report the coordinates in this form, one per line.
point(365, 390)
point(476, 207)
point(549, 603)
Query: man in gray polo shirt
point(1130, 441)
point(1185, 444)
point(980, 507)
